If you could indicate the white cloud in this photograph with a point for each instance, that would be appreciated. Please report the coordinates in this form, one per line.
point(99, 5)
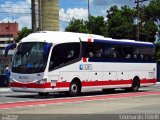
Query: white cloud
point(16, 11)
point(24, 21)
point(69, 14)
point(77, 13)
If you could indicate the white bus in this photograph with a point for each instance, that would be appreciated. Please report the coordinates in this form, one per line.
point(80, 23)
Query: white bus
point(48, 61)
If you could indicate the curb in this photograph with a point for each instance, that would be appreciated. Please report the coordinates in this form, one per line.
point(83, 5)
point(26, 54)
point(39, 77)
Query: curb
point(157, 83)
point(5, 89)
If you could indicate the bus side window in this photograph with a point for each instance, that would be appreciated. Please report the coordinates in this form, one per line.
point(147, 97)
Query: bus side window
point(71, 54)
point(99, 53)
point(54, 60)
point(130, 52)
point(91, 54)
point(112, 52)
point(141, 56)
point(146, 53)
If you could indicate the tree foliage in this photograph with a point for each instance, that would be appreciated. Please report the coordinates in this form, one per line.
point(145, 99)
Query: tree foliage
point(120, 22)
point(77, 25)
point(23, 33)
point(95, 25)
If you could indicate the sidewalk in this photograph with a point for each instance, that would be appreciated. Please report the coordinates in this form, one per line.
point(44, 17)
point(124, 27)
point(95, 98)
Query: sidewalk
point(6, 89)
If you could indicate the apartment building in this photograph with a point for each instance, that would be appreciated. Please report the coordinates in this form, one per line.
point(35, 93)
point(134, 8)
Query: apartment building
point(8, 31)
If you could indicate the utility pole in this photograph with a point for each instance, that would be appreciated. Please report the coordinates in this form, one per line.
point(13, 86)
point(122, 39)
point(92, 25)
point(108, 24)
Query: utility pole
point(138, 2)
point(88, 10)
point(39, 15)
point(33, 15)
point(138, 14)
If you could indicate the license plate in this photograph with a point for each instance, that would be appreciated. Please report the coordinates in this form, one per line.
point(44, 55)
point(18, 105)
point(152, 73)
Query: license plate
point(53, 82)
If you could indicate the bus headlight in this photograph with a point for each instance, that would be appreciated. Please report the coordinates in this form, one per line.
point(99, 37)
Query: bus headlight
point(42, 81)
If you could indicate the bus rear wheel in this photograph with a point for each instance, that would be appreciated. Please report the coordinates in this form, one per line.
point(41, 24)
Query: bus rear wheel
point(75, 89)
point(135, 85)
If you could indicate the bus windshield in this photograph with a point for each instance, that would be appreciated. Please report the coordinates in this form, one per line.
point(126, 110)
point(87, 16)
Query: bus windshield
point(29, 58)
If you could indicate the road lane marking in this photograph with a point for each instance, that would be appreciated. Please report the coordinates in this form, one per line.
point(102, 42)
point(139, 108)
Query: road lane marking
point(75, 99)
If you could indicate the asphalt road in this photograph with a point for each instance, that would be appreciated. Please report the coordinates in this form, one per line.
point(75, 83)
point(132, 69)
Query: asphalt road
point(131, 107)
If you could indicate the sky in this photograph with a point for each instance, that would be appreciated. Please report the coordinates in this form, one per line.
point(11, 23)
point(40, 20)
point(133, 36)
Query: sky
point(19, 10)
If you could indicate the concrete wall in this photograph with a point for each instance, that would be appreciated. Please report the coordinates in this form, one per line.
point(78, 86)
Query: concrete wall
point(49, 15)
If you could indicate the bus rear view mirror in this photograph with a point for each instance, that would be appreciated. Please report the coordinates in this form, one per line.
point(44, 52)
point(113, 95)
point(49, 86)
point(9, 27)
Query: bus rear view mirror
point(46, 49)
point(9, 47)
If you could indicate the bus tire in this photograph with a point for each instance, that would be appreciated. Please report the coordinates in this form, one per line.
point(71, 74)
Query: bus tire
point(75, 89)
point(135, 84)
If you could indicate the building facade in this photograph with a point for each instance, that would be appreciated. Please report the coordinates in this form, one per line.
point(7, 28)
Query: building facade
point(8, 31)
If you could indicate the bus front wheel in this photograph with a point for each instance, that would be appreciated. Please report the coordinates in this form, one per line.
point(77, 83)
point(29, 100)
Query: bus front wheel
point(75, 89)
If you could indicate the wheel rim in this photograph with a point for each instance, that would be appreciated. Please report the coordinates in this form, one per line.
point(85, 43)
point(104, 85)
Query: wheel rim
point(74, 88)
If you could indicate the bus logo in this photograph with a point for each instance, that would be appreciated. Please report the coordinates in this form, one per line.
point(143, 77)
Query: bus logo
point(81, 66)
point(85, 67)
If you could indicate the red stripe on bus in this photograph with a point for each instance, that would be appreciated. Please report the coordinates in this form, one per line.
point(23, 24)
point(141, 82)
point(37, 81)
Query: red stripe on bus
point(148, 81)
point(30, 85)
point(84, 83)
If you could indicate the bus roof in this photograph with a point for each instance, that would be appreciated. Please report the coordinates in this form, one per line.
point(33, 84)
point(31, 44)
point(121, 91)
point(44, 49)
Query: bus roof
point(58, 37)
point(64, 37)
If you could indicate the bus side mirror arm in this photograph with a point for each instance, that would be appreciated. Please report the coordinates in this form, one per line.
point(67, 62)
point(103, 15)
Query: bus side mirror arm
point(9, 47)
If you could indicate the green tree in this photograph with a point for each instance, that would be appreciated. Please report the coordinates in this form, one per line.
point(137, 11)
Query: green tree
point(95, 25)
point(23, 33)
point(152, 11)
point(77, 25)
point(147, 32)
point(120, 22)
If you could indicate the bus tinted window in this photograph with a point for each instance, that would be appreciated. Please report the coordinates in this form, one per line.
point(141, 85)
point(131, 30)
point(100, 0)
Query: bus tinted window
point(99, 50)
point(92, 50)
point(130, 52)
point(118, 53)
point(146, 53)
point(112, 51)
point(64, 53)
